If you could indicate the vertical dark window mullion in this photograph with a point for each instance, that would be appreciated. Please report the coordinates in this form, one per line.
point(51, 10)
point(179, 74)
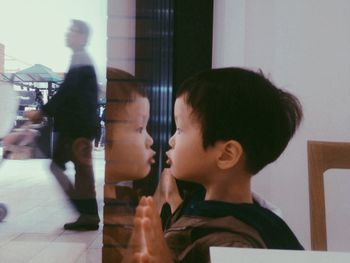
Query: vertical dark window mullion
point(159, 79)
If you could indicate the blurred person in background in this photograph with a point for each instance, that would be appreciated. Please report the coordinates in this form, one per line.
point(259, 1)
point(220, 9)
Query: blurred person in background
point(73, 109)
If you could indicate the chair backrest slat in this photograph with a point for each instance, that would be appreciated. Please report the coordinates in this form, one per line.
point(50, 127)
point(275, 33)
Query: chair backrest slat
point(322, 156)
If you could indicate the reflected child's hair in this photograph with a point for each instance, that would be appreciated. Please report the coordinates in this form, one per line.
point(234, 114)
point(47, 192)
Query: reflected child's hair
point(122, 86)
point(242, 105)
point(122, 89)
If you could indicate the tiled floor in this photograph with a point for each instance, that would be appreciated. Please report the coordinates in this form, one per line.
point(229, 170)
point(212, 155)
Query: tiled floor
point(37, 210)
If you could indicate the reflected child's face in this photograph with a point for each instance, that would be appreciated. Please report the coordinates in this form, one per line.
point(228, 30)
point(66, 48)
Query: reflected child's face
point(128, 146)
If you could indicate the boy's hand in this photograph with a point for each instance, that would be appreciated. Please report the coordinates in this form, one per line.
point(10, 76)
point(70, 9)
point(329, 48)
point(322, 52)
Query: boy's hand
point(34, 116)
point(167, 192)
point(147, 243)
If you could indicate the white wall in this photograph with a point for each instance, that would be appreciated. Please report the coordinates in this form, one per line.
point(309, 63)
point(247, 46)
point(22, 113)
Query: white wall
point(305, 47)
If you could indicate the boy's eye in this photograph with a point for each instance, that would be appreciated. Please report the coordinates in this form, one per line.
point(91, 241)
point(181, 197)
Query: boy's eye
point(140, 129)
point(178, 130)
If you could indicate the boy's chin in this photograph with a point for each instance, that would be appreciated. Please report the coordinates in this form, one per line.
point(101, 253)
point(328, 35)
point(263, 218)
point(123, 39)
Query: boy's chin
point(183, 177)
point(140, 174)
point(137, 176)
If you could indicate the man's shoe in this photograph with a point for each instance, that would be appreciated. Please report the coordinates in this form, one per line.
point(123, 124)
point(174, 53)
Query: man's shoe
point(84, 223)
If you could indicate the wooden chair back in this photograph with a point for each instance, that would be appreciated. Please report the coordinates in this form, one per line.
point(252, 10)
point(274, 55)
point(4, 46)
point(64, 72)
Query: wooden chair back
point(322, 156)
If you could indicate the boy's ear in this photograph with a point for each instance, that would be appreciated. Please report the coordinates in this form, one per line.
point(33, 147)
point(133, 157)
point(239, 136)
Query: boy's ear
point(230, 153)
point(82, 148)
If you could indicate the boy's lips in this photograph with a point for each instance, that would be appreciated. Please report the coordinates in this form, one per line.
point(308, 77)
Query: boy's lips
point(151, 159)
point(168, 161)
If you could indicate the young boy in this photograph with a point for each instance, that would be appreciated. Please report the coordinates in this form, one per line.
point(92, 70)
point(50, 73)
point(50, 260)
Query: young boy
point(73, 109)
point(231, 123)
point(128, 155)
point(128, 145)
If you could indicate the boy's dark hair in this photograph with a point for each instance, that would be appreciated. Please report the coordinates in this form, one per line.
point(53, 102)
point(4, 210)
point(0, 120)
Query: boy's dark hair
point(239, 104)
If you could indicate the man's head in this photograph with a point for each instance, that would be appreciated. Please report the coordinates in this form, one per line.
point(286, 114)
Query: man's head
point(78, 35)
point(240, 106)
point(128, 144)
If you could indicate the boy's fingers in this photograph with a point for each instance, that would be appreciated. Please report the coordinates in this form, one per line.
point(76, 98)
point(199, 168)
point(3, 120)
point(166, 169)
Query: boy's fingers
point(136, 241)
point(150, 236)
point(151, 206)
point(145, 258)
point(143, 201)
point(139, 213)
point(140, 209)
point(137, 258)
point(152, 213)
point(158, 251)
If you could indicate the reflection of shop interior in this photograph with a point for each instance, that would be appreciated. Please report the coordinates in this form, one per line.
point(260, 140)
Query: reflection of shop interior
point(35, 86)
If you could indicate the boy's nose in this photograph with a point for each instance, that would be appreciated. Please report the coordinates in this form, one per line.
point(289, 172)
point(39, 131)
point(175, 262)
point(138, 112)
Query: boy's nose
point(172, 141)
point(149, 140)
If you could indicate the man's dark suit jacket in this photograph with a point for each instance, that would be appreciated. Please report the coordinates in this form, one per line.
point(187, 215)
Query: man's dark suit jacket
point(74, 105)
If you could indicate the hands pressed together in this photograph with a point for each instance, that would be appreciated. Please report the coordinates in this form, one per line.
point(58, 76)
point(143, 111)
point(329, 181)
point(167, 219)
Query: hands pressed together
point(147, 243)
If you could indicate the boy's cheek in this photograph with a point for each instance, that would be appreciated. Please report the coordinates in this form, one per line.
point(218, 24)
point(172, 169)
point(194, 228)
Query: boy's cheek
point(117, 134)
